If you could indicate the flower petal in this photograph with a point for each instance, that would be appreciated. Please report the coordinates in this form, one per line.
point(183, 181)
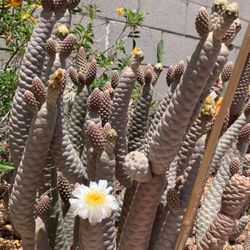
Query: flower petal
point(93, 185)
point(78, 192)
point(102, 184)
point(107, 190)
point(83, 213)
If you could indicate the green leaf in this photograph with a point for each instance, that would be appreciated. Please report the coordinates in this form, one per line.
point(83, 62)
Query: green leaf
point(77, 10)
point(160, 51)
point(134, 43)
point(5, 166)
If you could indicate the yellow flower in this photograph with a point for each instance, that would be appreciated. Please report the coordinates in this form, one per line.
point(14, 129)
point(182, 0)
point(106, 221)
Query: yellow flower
point(208, 106)
point(120, 11)
point(218, 105)
point(28, 16)
point(63, 30)
point(15, 3)
point(17, 243)
point(135, 50)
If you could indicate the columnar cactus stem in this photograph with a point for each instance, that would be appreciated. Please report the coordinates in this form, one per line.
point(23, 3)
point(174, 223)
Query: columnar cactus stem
point(234, 198)
point(159, 113)
point(33, 160)
point(241, 223)
point(65, 156)
point(59, 33)
point(241, 93)
point(31, 66)
point(218, 68)
point(127, 201)
point(101, 165)
point(41, 235)
point(229, 136)
point(137, 230)
point(77, 118)
point(55, 224)
point(90, 236)
point(172, 224)
point(105, 162)
point(167, 138)
point(212, 197)
point(105, 169)
point(140, 118)
point(118, 114)
point(160, 217)
point(82, 78)
point(196, 131)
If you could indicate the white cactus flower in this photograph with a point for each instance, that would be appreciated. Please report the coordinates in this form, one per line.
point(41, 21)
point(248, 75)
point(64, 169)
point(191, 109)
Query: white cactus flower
point(94, 203)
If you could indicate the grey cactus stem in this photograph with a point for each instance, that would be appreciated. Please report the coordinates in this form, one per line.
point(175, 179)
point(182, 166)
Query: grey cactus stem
point(241, 94)
point(212, 197)
point(105, 169)
point(218, 68)
point(227, 139)
point(90, 237)
point(235, 195)
point(55, 224)
point(218, 233)
point(33, 160)
point(157, 117)
point(140, 118)
point(79, 109)
point(77, 118)
point(196, 131)
point(41, 235)
point(127, 201)
point(241, 223)
point(139, 223)
point(118, 114)
point(65, 156)
point(31, 66)
point(101, 165)
point(172, 224)
point(59, 32)
point(105, 162)
point(167, 138)
point(160, 217)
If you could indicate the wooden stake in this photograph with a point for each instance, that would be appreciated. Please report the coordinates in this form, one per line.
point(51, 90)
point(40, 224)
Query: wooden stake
point(190, 213)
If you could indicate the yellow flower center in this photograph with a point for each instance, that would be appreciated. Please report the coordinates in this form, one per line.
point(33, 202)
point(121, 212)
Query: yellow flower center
point(95, 198)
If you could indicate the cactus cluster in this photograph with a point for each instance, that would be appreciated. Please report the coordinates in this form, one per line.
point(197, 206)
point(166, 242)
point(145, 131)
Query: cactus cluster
point(148, 166)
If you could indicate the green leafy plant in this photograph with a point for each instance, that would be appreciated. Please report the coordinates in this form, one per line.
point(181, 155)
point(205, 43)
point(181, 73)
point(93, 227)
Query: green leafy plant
point(17, 23)
point(8, 80)
point(114, 57)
